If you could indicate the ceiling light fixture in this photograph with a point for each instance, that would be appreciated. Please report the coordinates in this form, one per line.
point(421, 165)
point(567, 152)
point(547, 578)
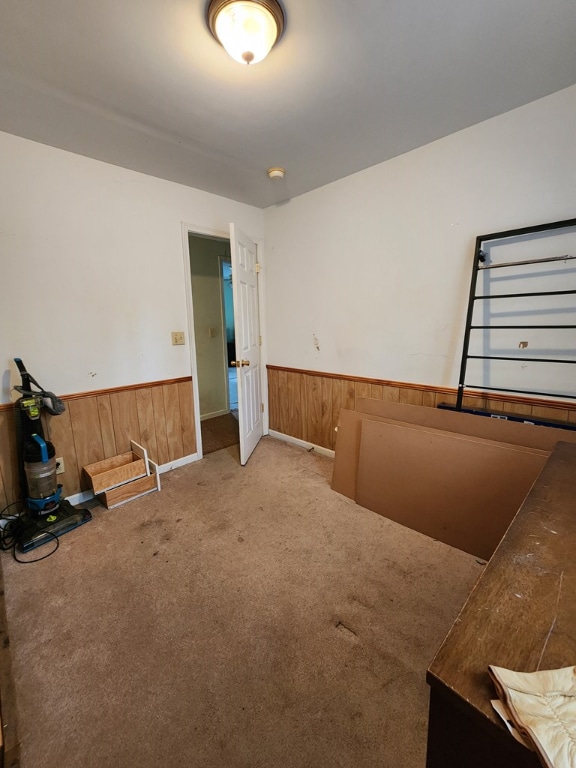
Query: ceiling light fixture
point(247, 29)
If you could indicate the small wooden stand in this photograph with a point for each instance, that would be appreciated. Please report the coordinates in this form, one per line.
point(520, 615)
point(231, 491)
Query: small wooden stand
point(123, 478)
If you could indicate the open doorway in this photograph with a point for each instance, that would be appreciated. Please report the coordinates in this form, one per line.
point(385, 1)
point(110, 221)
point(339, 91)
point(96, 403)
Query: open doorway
point(228, 303)
point(211, 276)
point(208, 344)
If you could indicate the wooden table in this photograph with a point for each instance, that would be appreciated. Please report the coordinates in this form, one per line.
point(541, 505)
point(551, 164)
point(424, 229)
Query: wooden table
point(9, 740)
point(521, 615)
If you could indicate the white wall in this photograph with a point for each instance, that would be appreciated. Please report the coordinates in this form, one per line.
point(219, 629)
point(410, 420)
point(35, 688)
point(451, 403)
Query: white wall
point(92, 268)
point(373, 269)
point(369, 276)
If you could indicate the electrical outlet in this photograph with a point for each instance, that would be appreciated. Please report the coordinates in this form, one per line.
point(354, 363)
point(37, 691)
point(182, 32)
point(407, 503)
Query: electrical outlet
point(60, 465)
point(177, 338)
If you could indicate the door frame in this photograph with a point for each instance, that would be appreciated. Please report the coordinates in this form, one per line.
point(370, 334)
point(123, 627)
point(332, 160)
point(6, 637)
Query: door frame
point(224, 260)
point(194, 229)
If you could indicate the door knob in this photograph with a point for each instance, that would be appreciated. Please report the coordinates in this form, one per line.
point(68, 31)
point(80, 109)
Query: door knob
point(239, 363)
point(245, 363)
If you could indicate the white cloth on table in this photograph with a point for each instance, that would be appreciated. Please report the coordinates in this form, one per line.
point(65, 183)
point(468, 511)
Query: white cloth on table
point(542, 706)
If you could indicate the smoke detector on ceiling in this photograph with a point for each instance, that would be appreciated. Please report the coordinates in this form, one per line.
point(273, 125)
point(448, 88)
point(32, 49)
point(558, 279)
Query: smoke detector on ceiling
point(276, 173)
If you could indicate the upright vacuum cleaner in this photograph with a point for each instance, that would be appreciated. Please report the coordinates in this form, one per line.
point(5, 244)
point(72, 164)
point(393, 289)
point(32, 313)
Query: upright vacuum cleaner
point(47, 515)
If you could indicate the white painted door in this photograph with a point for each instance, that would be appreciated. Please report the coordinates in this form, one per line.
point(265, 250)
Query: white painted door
point(247, 332)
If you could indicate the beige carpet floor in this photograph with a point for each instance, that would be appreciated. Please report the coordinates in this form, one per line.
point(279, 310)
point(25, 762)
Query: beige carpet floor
point(219, 432)
point(240, 618)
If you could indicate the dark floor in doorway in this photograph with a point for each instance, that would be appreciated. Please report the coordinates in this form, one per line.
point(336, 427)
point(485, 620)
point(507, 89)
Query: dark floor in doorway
point(219, 433)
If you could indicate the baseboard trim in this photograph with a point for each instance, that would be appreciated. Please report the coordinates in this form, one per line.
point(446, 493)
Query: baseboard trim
point(301, 443)
point(80, 498)
point(179, 462)
point(214, 415)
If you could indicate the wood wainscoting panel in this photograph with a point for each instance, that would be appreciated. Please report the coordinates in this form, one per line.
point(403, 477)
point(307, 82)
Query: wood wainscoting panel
point(313, 403)
point(343, 396)
point(362, 388)
point(446, 398)
point(87, 434)
point(376, 391)
point(188, 425)
point(429, 399)
point(8, 462)
point(3, 497)
point(517, 409)
point(160, 426)
point(145, 411)
point(337, 399)
point(295, 418)
point(410, 396)
point(474, 402)
point(284, 413)
point(543, 412)
point(318, 399)
point(107, 426)
point(125, 416)
point(59, 432)
point(173, 422)
point(288, 413)
point(391, 394)
point(98, 425)
point(327, 432)
point(306, 404)
point(274, 400)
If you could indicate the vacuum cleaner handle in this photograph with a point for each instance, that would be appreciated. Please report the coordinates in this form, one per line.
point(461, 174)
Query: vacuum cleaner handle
point(53, 404)
point(26, 378)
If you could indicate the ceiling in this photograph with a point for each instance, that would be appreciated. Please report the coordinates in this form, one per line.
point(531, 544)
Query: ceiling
point(142, 84)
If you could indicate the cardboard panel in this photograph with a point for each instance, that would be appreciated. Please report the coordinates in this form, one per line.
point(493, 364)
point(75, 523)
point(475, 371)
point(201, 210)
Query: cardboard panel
point(512, 432)
point(346, 457)
point(461, 490)
point(348, 436)
point(346, 453)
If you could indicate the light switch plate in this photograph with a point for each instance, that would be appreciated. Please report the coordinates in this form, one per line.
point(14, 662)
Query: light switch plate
point(178, 338)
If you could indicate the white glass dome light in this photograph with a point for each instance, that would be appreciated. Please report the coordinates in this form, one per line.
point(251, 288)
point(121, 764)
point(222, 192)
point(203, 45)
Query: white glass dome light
point(247, 29)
